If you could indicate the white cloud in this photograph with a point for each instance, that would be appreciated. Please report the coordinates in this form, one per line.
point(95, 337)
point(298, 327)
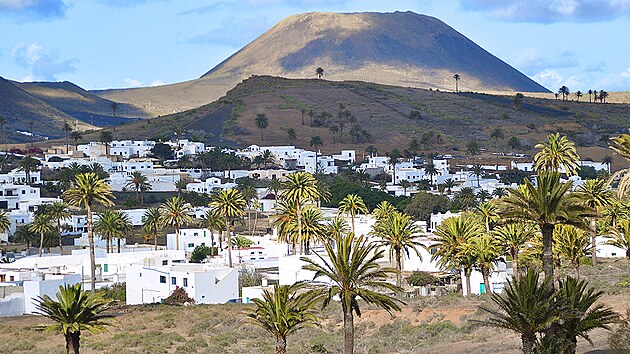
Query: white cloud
point(132, 82)
point(33, 9)
point(43, 65)
point(157, 82)
point(533, 60)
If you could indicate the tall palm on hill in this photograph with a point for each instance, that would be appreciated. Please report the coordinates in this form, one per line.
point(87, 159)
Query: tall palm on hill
point(497, 135)
point(57, 211)
point(152, 223)
point(621, 145)
point(42, 225)
point(86, 190)
point(456, 77)
point(620, 237)
point(262, 123)
point(106, 137)
point(73, 311)
point(230, 204)
point(352, 205)
point(513, 237)
point(284, 311)
point(67, 129)
point(176, 213)
point(352, 272)
point(140, 182)
point(557, 153)
point(547, 204)
point(300, 187)
point(319, 72)
point(76, 137)
point(595, 194)
point(399, 233)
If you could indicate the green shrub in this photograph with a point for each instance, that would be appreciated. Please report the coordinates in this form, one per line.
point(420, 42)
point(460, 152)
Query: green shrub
point(178, 297)
point(200, 253)
point(117, 291)
point(419, 278)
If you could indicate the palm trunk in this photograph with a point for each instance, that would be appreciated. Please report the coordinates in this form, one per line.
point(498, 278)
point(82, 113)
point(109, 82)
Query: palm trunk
point(398, 267)
point(155, 241)
point(485, 272)
point(255, 221)
point(177, 238)
point(515, 264)
point(73, 342)
point(528, 341)
point(229, 241)
point(299, 220)
point(576, 266)
point(348, 331)
point(628, 260)
point(41, 243)
point(352, 218)
point(88, 210)
point(107, 244)
point(281, 345)
point(547, 235)
point(60, 240)
point(467, 272)
point(212, 243)
point(593, 241)
point(118, 242)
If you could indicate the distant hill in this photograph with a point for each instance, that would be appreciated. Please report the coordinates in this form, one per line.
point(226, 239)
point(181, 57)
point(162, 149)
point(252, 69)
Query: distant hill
point(385, 116)
point(401, 48)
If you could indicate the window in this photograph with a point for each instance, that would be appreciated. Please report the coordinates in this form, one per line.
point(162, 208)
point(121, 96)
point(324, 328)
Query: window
point(162, 279)
point(165, 262)
point(191, 245)
point(173, 280)
point(23, 191)
point(185, 281)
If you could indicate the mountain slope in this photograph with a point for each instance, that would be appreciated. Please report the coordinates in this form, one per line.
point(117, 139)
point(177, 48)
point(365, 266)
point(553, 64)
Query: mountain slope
point(403, 49)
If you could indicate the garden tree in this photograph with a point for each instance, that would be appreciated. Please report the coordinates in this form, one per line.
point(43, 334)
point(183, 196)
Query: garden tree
point(424, 204)
point(383, 210)
point(453, 234)
point(291, 134)
point(486, 252)
point(616, 210)
point(73, 311)
point(162, 151)
point(300, 188)
point(621, 145)
point(483, 195)
point(572, 245)
point(514, 143)
point(108, 226)
point(414, 146)
point(76, 136)
point(608, 160)
point(590, 95)
point(140, 182)
point(595, 194)
point(399, 234)
point(499, 192)
point(477, 171)
point(176, 212)
point(488, 212)
point(619, 236)
point(67, 129)
point(275, 186)
point(371, 150)
point(472, 148)
point(152, 223)
point(350, 266)
point(465, 199)
point(430, 169)
point(41, 225)
point(579, 94)
point(180, 185)
point(213, 221)
point(229, 204)
point(527, 307)
point(334, 130)
point(316, 143)
point(564, 91)
point(405, 184)
point(449, 184)
point(286, 215)
point(56, 212)
point(319, 72)
point(29, 164)
point(200, 253)
point(312, 227)
point(262, 123)
point(456, 77)
point(547, 204)
point(352, 205)
point(106, 137)
point(518, 100)
point(284, 311)
point(86, 190)
point(336, 227)
point(557, 153)
point(394, 159)
point(268, 158)
point(497, 135)
point(513, 238)
point(602, 96)
point(22, 234)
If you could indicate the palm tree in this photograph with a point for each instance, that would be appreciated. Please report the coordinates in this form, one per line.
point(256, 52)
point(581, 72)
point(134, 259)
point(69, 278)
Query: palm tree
point(590, 95)
point(291, 134)
point(513, 237)
point(152, 223)
point(352, 271)
point(527, 307)
point(29, 164)
point(180, 185)
point(41, 225)
point(621, 145)
point(394, 159)
point(300, 187)
point(114, 108)
point(112, 224)
point(405, 185)
point(466, 198)
point(430, 169)
point(140, 183)
point(487, 253)
point(76, 136)
point(86, 190)
point(456, 77)
point(556, 153)
point(351, 205)
point(316, 143)
point(67, 129)
point(3, 121)
point(477, 171)
point(22, 234)
point(383, 210)
point(571, 244)
point(547, 204)
point(337, 227)
point(595, 194)
point(608, 160)
point(176, 212)
point(453, 234)
point(213, 221)
point(620, 237)
point(564, 91)
point(319, 72)
point(579, 94)
point(229, 204)
point(5, 222)
point(513, 143)
point(284, 311)
point(497, 135)
point(489, 214)
point(399, 233)
point(57, 211)
point(473, 148)
point(449, 184)
point(262, 123)
point(73, 311)
point(106, 137)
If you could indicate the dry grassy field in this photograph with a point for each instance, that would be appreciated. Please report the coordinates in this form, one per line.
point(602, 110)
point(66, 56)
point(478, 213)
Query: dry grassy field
point(444, 324)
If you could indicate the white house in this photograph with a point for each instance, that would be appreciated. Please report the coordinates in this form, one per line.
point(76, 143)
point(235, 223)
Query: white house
point(204, 283)
point(19, 290)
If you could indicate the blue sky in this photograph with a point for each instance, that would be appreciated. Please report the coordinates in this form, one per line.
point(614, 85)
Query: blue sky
point(127, 43)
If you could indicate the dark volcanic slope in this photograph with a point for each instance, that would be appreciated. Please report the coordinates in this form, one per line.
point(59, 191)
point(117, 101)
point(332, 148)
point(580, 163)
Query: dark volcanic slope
point(401, 48)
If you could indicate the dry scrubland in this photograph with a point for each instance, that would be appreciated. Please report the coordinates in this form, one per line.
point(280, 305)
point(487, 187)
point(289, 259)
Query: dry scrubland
point(425, 325)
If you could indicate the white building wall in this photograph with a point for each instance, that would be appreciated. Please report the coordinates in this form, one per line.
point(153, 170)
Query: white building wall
point(49, 285)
